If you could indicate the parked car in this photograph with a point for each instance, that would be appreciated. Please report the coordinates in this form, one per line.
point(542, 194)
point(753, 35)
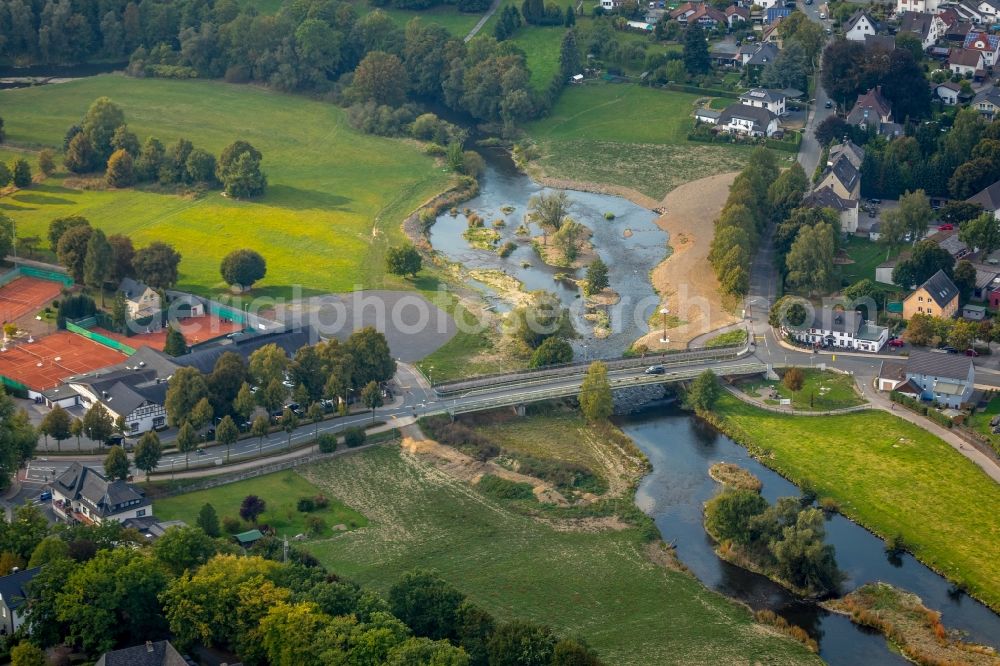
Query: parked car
point(946, 227)
point(949, 349)
point(822, 15)
point(829, 104)
point(45, 496)
point(896, 342)
point(971, 352)
point(655, 370)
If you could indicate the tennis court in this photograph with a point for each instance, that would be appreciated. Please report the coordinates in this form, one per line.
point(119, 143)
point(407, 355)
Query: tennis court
point(26, 295)
point(44, 363)
point(194, 329)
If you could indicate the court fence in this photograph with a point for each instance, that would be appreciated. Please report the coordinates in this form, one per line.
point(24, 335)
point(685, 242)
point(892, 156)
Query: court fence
point(98, 338)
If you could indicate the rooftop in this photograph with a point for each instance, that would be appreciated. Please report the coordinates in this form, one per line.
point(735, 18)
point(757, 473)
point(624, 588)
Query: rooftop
point(935, 364)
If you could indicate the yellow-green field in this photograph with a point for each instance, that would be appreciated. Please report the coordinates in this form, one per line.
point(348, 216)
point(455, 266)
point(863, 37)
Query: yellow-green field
point(335, 198)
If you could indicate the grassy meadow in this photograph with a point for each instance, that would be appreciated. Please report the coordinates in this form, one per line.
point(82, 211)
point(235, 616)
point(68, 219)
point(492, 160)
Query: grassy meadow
point(639, 134)
point(890, 476)
point(821, 390)
point(335, 196)
point(580, 578)
point(281, 491)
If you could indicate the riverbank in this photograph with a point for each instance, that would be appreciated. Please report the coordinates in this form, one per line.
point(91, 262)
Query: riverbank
point(889, 476)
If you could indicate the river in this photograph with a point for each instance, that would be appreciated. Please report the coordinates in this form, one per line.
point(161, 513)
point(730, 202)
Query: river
point(681, 448)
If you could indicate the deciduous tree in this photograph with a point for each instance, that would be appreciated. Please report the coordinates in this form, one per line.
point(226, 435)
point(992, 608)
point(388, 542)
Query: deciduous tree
point(116, 463)
point(595, 393)
point(703, 392)
point(156, 265)
point(148, 452)
point(242, 268)
point(403, 260)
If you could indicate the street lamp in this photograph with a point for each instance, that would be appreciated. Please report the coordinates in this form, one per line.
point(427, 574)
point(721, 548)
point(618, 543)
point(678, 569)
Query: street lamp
point(665, 311)
point(430, 374)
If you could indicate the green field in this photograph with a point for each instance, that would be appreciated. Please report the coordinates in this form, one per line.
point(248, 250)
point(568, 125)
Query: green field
point(623, 134)
point(594, 582)
point(281, 491)
point(892, 477)
point(737, 337)
point(335, 198)
point(456, 22)
point(821, 390)
point(865, 255)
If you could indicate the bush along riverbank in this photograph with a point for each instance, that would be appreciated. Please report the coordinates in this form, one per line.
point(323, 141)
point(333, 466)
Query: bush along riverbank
point(783, 541)
point(915, 630)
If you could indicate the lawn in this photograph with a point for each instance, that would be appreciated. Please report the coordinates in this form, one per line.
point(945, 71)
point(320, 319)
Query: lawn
point(281, 491)
point(331, 190)
point(595, 583)
point(628, 135)
point(866, 255)
point(456, 22)
point(892, 477)
point(980, 421)
point(821, 390)
point(541, 44)
point(737, 337)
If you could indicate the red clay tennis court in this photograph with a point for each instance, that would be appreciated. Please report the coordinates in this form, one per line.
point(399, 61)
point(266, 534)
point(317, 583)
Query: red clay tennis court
point(42, 364)
point(26, 295)
point(194, 329)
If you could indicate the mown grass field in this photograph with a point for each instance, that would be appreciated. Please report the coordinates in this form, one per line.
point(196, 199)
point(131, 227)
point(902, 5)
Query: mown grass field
point(865, 255)
point(597, 583)
point(892, 477)
point(821, 390)
point(280, 490)
point(456, 22)
point(335, 198)
point(623, 134)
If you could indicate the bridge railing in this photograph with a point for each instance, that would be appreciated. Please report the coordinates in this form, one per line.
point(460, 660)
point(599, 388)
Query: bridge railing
point(564, 390)
point(667, 359)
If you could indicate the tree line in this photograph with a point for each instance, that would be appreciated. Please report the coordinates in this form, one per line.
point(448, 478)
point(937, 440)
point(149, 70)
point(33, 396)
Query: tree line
point(100, 587)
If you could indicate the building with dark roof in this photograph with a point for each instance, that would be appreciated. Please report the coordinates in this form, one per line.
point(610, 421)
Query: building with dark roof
point(937, 296)
point(748, 120)
point(871, 109)
point(13, 592)
point(847, 329)
point(928, 28)
point(82, 494)
point(772, 100)
point(843, 177)
point(846, 209)
point(987, 102)
point(152, 653)
point(988, 198)
point(860, 25)
point(947, 379)
point(985, 43)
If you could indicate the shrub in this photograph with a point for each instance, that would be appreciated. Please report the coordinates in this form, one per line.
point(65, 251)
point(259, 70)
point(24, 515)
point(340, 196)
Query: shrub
point(503, 489)
point(829, 505)
point(506, 249)
point(354, 437)
point(315, 525)
point(895, 545)
point(458, 435)
point(232, 525)
point(609, 216)
point(306, 504)
point(321, 501)
point(327, 443)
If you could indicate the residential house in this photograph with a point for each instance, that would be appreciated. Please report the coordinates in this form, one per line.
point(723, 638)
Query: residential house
point(892, 375)
point(987, 44)
point(773, 16)
point(682, 12)
point(968, 10)
point(706, 115)
point(927, 27)
point(987, 103)
point(989, 199)
point(748, 121)
point(846, 209)
point(707, 16)
point(843, 177)
point(872, 109)
point(923, 6)
point(957, 30)
point(152, 653)
point(82, 494)
point(947, 92)
point(772, 100)
point(966, 62)
point(13, 592)
point(142, 301)
point(854, 153)
point(736, 14)
point(758, 56)
point(989, 9)
point(137, 397)
point(611, 5)
point(938, 296)
point(860, 25)
point(947, 379)
point(846, 329)
point(987, 281)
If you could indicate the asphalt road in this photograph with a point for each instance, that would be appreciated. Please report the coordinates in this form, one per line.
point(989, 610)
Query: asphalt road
point(810, 150)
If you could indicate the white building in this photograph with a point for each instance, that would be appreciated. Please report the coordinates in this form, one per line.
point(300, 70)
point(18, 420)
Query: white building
point(922, 6)
point(845, 329)
point(82, 494)
point(13, 592)
point(772, 100)
point(859, 26)
point(141, 301)
point(748, 121)
point(946, 379)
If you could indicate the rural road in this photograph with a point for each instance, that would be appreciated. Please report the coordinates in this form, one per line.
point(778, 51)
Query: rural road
point(481, 22)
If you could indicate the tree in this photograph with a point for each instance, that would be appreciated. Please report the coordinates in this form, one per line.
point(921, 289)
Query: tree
point(926, 259)
point(595, 393)
point(99, 125)
point(981, 233)
point(315, 414)
point(183, 548)
point(116, 464)
point(72, 250)
point(98, 262)
point(842, 70)
point(187, 441)
point(267, 364)
point(5, 175)
point(793, 379)
point(597, 277)
point(785, 194)
point(226, 433)
point(790, 69)
point(381, 78)
point(728, 515)
point(61, 225)
point(26, 653)
point(371, 397)
point(242, 268)
point(260, 429)
point(905, 86)
point(519, 643)
point(965, 278)
point(119, 312)
point(973, 176)
point(802, 557)
point(244, 179)
point(200, 166)
point(156, 265)
point(175, 344)
point(833, 128)
point(185, 389)
point(251, 507)
point(56, 425)
point(121, 170)
point(97, 423)
point(703, 392)
point(244, 402)
point(6, 235)
point(80, 156)
point(150, 160)
point(289, 422)
point(403, 260)
point(122, 254)
point(208, 521)
point(554, 351)
point(810, 259)
point(76, 429)
point(427, 604)
point(201, 414)
point(695, 54)
point(148, 452)
point(22, 173)
point(370, 356)
point(959, 212)
point(549, 209)
point(125, 139)
point(569, 56)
